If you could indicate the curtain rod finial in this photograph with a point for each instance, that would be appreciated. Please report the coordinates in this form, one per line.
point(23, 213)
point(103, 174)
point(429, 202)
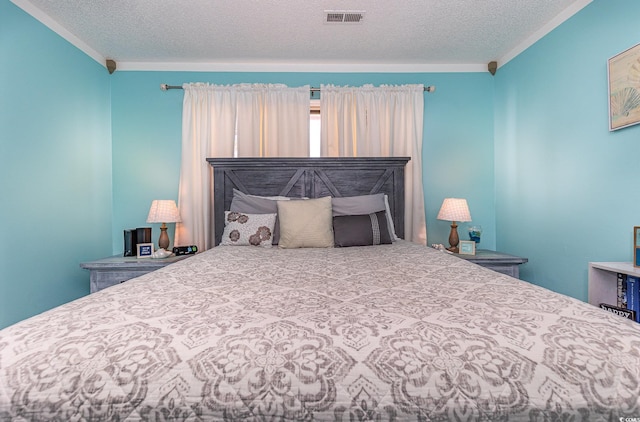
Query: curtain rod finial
point(492, 67)
point(163, 87)
point(111, 66)
point(430, 88)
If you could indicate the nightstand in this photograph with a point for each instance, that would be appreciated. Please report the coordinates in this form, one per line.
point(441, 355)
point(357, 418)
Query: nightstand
point(496, 261)
point(117, 269)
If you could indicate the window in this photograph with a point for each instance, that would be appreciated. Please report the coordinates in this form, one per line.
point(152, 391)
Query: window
point(314, 129)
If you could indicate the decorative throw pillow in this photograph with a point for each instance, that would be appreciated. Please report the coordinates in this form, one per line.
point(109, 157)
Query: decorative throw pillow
point(239, 193)
point(251, 204)
point(358, 205)
point(247, 229)
point(306, 224)
point(365, 204)
point(361, 230)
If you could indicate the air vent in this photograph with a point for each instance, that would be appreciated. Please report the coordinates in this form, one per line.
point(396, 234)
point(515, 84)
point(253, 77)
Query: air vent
point(343, 16)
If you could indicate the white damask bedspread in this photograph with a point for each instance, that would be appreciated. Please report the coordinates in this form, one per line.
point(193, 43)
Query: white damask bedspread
point(390, 332)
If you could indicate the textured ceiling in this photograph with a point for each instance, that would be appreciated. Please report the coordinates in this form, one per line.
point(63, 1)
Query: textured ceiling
point(403, 34)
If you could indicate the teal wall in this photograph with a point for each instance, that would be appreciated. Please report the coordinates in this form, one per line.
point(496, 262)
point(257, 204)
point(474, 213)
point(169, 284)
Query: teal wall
point(457, 150)
point(566, 187)
point(55, 166)
point(83, 153)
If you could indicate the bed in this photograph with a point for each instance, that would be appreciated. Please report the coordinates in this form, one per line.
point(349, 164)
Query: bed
point(382, 332)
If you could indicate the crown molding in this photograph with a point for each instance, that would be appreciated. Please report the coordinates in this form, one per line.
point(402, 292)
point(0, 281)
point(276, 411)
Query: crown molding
point(536, 36)
point(302, 67)
point(47, 21)
point(299, 67)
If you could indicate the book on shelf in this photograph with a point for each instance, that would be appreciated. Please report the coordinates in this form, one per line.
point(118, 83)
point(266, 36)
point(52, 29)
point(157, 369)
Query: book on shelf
point(633, 294)
point(623, 312)
point(622, 290)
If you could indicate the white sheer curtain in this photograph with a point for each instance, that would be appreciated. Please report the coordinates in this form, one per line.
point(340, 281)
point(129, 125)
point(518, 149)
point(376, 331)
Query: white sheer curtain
point(273, 120)
point(247, 120)
point(380, 121)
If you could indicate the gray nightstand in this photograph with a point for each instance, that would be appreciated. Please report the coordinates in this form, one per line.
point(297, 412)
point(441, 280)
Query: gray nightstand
point(496, 261)
point(117, 269)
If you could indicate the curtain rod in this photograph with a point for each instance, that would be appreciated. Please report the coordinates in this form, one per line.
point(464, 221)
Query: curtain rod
point(166, 87)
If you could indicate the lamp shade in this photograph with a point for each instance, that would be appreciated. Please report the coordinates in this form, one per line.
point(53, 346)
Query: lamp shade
point(163, 211)
point(454, 209)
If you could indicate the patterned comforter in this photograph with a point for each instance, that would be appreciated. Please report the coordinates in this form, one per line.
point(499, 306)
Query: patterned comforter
point(390, 332)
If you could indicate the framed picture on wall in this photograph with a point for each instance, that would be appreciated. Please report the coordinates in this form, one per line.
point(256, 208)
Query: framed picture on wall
point(624, 88)
point(636, 246)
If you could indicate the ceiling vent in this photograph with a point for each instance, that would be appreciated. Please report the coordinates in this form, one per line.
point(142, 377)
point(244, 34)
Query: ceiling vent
point(343, 16)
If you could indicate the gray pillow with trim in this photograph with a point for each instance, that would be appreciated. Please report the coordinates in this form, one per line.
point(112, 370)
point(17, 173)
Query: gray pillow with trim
point(361, 230)
point(364, 204)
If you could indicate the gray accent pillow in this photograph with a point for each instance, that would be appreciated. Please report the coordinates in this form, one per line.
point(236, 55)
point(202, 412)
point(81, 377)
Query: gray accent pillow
point(361, 230)
point(250, 204)
point(365, 204)
point(358, 205)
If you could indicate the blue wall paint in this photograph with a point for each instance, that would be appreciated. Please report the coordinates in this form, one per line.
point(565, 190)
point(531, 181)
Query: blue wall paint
point(55, 166)
point(458, 154)
point(566, 188)
point(529, 149)
point(458, 140)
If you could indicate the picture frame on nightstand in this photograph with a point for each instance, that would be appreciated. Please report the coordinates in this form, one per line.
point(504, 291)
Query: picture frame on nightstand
point(467, 247)
point(145, 250)
point(636, 246)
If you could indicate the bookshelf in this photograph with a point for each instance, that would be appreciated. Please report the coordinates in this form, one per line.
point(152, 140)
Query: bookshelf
point(603, 277)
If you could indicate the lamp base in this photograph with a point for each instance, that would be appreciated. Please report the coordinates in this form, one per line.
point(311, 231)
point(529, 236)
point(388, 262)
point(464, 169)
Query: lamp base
point(163, 241)
point(454, 240)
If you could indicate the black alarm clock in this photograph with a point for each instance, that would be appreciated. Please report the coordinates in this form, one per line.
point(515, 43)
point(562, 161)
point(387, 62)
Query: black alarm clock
point(185, 250)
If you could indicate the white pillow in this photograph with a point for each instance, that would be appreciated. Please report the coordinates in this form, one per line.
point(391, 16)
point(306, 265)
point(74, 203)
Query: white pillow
point(390, 225)
point(306, 224)
point(247, 229)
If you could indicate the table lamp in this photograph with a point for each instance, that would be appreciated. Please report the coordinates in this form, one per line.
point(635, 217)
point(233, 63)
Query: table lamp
point(163, 211)
point(454, 209)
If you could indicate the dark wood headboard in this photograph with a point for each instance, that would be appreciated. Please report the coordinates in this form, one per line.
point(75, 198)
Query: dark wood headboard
point(310, 178)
